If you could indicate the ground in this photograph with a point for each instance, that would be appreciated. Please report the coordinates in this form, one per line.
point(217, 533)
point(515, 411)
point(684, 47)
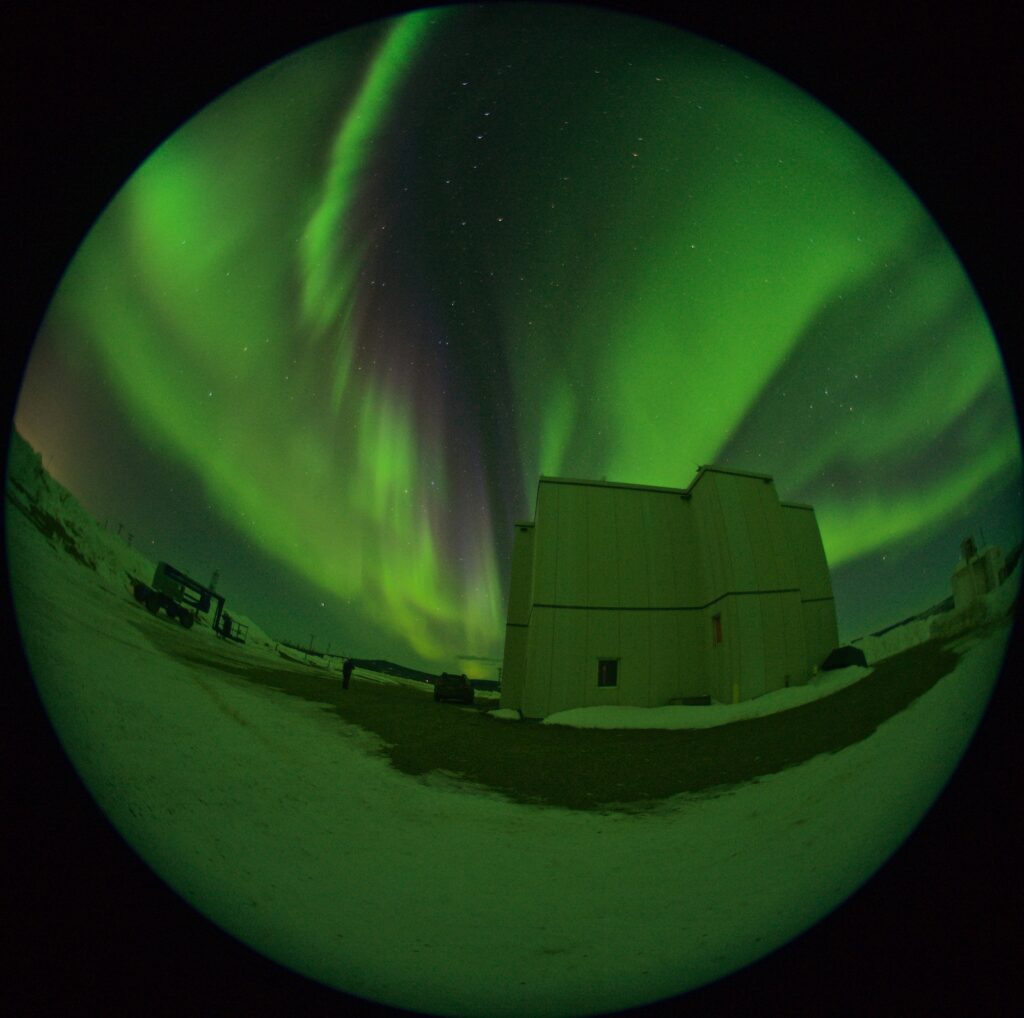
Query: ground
point(431, 858)
point(631, 770)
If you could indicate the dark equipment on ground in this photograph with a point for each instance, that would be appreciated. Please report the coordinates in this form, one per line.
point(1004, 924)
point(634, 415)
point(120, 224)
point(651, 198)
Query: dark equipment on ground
point(182, 598)
point(453, 687)
point(843, 657)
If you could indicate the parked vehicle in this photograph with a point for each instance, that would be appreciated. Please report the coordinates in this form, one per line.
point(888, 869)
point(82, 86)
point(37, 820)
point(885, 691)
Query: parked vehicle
point(182, 598)
point(453, 687)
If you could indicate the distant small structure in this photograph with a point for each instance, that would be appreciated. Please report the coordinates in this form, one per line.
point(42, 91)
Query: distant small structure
point(976, 574)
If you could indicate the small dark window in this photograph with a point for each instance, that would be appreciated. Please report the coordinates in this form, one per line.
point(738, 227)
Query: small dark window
point(607, 672)
point(716, 628)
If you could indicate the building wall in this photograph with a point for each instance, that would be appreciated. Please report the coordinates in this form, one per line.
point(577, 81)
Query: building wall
point(821, 631)
point(750, 557)
point(638, 574)
point(660, 657)
point(785, 651)
point(611, 569)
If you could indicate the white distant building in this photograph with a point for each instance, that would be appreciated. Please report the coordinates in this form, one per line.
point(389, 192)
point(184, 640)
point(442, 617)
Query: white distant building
point(625, 594)
point(976, 574)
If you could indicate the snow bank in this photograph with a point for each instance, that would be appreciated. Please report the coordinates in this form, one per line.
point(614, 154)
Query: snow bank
point(255, 635)
point(895, 641)
point(712, 715)
point(67, 526)
point(1001, 601)
point(994, 608)
point(299, 658)
point(504, 714)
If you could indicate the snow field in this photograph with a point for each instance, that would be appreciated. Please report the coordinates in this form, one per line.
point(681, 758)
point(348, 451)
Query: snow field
point(281, 824)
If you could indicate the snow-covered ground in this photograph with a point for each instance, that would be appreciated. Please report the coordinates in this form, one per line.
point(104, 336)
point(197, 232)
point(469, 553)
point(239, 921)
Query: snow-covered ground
point(280, 823)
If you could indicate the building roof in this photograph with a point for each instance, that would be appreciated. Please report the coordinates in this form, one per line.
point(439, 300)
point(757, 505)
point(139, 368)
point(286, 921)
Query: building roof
point(706, 468)
point(684, 492)
point(710, 468)
point(609, 484)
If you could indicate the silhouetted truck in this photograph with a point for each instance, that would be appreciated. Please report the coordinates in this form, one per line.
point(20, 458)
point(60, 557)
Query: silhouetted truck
point(182, 598)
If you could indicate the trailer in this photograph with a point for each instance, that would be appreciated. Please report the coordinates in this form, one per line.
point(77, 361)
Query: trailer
point(183, 598)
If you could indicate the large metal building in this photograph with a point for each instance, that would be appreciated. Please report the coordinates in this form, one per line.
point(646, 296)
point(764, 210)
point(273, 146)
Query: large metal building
point(628, 595)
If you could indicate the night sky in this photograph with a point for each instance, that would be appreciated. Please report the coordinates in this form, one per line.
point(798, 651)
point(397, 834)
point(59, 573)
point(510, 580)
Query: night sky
point(328, 336)
point(94, 88)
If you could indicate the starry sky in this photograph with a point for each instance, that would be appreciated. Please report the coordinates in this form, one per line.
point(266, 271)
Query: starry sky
point(330, 333)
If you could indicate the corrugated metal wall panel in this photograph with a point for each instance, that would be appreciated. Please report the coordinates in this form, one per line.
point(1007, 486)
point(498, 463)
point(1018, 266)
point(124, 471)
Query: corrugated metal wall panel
point(712, 538)
point(750, 646)
point(723, 658)
point(630, 548)
point(666, 661)
point(689, 571)
point(664, 540)
point(761, 505)
point(695, 677)
point(568, 658)
point(538, 679)
point(571, 576)
point(602, 634)
point(635, 663)
point(796, 640)
point(808, 553)
point(768, 578)
point(777, 665)
point(647, 537)
point(819, 622)
point(735, 495)
point(785, 568)
point(602, 563)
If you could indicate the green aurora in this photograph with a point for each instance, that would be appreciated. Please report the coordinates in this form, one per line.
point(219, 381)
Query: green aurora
point(367, 297)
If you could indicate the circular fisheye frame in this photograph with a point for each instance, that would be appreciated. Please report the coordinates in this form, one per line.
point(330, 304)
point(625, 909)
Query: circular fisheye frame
point(511, 510)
